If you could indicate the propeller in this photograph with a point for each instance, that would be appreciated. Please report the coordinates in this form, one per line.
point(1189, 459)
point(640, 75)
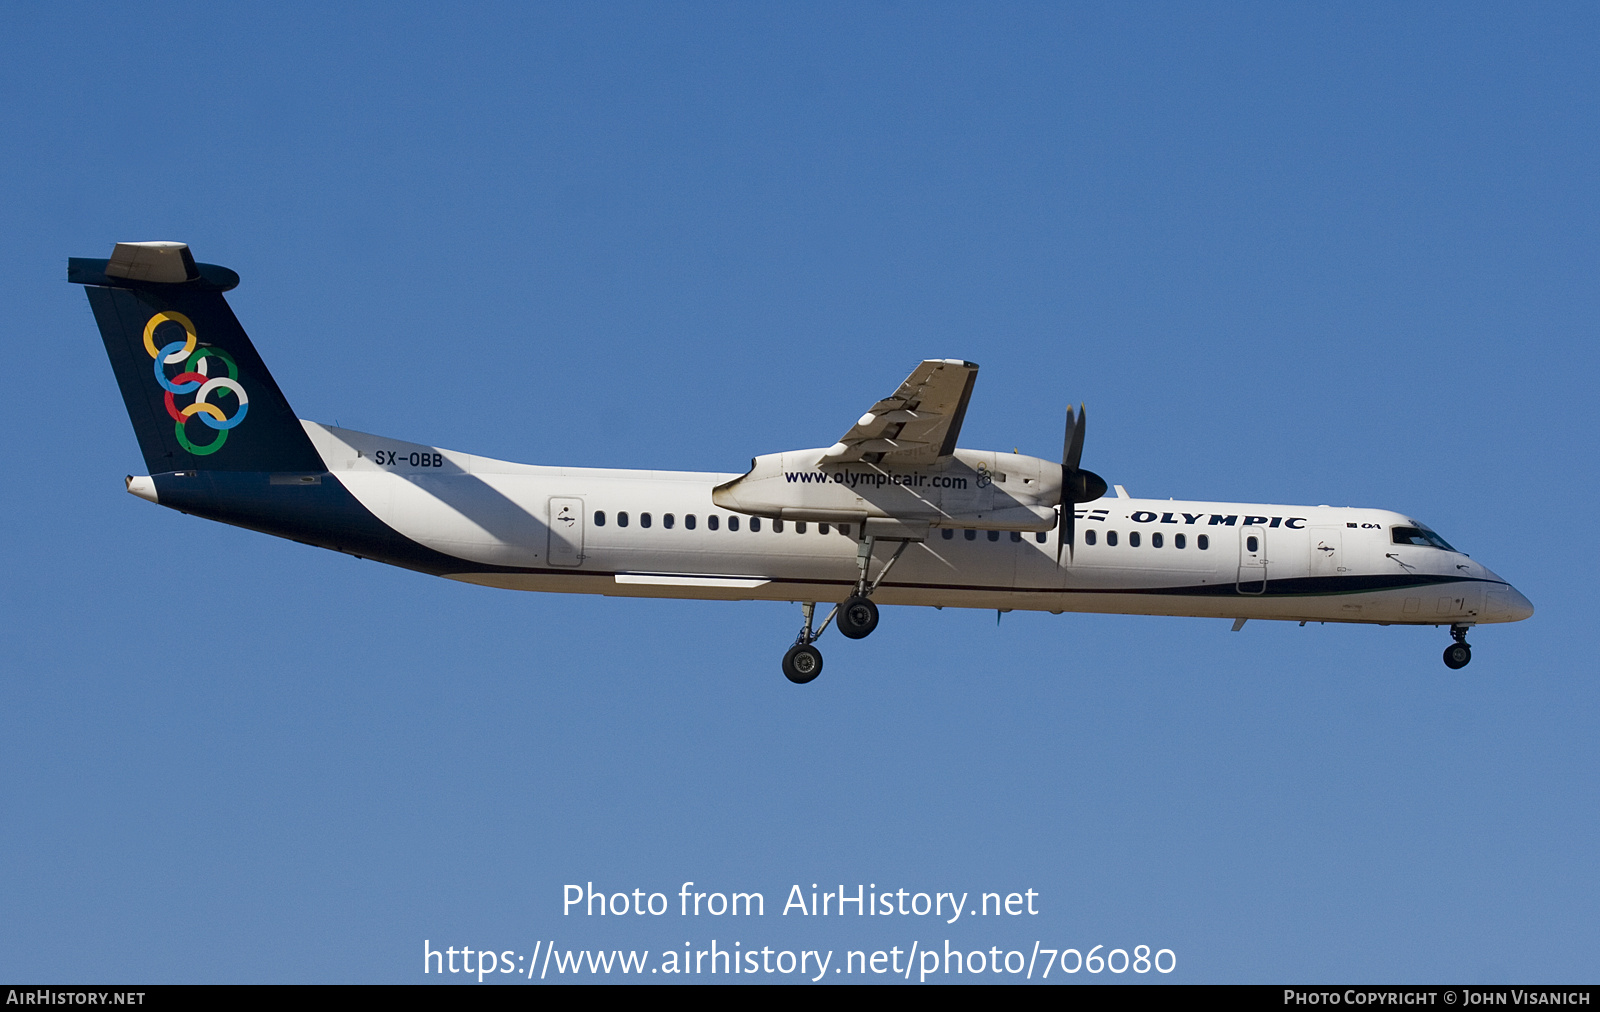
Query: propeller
point(1077, 485)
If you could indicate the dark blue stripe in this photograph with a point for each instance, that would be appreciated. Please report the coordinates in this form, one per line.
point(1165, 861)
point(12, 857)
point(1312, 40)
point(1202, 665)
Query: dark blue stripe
point(324, 514)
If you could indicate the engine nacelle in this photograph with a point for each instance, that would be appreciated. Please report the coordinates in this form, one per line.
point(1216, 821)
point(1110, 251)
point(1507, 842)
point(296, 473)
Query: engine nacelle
point(971, 488)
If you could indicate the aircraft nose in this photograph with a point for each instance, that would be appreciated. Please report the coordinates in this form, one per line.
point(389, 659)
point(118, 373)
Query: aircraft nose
point(1506, 604)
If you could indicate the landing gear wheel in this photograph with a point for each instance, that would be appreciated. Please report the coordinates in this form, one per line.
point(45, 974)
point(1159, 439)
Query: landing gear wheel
point(858, 616)
point(802, 663)
point(1457, 656)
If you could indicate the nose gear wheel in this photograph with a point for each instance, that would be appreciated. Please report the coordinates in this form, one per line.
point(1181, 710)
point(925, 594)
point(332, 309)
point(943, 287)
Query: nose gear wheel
point(1458, 654)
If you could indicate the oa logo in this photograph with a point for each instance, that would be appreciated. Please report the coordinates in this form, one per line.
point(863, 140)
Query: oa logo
point(194, 378)
point(984, 477)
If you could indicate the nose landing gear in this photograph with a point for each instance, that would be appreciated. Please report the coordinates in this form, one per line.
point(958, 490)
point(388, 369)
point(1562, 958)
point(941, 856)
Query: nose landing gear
point(1458, 654)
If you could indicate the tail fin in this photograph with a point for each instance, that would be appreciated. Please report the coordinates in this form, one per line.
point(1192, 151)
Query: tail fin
point(197, 392)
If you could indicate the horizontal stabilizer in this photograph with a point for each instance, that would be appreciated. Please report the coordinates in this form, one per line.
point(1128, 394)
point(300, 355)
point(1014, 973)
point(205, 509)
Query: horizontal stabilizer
point(167, 263)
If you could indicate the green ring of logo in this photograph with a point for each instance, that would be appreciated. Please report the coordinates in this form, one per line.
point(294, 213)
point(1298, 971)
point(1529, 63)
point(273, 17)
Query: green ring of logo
point(200, 451)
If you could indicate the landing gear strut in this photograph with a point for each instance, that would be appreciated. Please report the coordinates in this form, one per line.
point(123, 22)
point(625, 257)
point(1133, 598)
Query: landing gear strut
point(858, 616)
point(1458, 654)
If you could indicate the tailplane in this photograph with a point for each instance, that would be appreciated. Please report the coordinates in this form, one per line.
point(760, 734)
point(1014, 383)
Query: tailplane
point(198, 394)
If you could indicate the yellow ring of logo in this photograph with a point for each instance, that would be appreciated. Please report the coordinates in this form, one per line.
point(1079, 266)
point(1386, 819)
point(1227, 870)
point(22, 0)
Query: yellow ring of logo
point(203, 407)
point(181, 320)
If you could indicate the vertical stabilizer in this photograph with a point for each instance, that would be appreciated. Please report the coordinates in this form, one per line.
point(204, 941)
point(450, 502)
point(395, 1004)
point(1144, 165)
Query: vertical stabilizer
point(198, 394)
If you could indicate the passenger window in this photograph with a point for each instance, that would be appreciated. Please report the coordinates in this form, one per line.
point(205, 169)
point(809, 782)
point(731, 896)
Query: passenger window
point(622, 518)
point(1016, 535)
point(1042, 537)
point(668, 520)
point(1156, 540)
point(599, 518)
point(1111, 538)
point(688, 522)
point(994, 535)
point(1179, 541)
point(777, 526)
point(970, 535)
point(822, 528)
point(844, 529)
point(1133, 539)
point(755, 523)
point(1088, 537)
point(799, 526)
point(713, 521)
point(1202, 541)
point(644, 520)
point(1252, 543)
point(733, 523)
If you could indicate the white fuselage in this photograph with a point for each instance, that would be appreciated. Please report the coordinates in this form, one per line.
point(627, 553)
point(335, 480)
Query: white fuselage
point(659, 534)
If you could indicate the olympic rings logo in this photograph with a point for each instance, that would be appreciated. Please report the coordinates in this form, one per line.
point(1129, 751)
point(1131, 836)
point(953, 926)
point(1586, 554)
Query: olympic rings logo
point(194, 378)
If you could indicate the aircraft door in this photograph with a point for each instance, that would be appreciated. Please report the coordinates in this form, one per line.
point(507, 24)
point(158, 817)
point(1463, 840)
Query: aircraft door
point(1252, 560)
point(566, 531)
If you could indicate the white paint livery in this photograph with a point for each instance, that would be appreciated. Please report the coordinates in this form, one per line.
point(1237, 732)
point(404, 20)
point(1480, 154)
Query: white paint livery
point(893, 513)
point(969, 530)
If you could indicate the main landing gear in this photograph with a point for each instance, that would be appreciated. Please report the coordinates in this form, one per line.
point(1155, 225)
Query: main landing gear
point(1458, 654)
point(802, 663)
point(857, 616)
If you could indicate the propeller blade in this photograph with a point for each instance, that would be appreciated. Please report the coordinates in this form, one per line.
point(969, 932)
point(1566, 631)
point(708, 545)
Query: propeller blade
point(1077, 485)
point(1072, 444)
point(1064, 538)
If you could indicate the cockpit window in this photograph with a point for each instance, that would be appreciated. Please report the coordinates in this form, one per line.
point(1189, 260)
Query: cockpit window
point(1420, 536)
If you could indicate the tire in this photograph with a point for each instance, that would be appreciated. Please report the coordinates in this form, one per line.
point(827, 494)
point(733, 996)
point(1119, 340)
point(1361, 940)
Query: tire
point(858, 616)
point(1457, 656)
point(802, 664)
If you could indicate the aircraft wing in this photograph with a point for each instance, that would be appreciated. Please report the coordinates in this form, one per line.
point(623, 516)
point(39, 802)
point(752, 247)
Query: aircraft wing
point(919, 424)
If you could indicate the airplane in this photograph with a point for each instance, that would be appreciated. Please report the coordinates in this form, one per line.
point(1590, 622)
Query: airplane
point(894, 512)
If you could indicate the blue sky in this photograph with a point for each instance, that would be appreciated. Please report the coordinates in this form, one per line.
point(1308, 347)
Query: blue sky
point(1286, 253)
